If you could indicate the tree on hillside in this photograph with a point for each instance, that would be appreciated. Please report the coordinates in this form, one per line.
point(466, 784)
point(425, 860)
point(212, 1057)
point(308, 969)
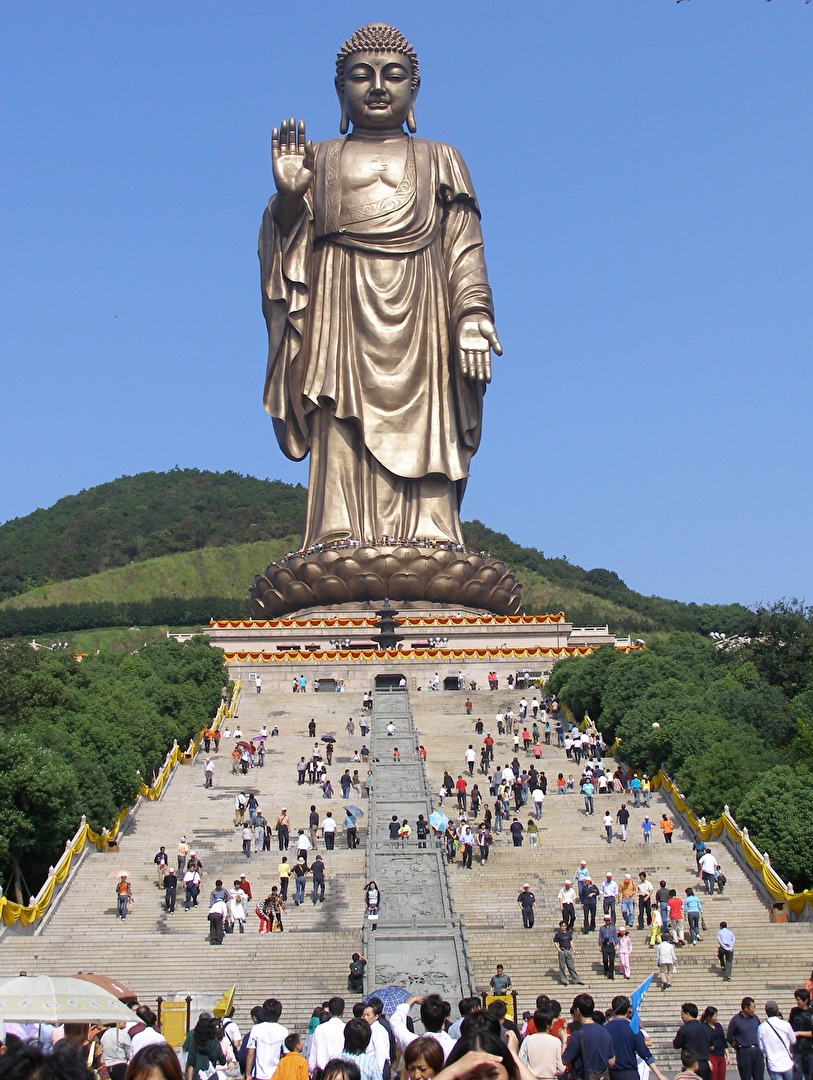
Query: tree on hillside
point(39, 810)
point(781, 645)
point(141, 517)
point(90, 729)
point(581, 680)
point(801, 718)
point(776, 813)
point(718, 723)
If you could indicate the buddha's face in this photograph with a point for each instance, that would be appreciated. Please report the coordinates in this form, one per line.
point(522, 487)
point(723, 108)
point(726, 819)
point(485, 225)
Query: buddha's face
point(378, 90)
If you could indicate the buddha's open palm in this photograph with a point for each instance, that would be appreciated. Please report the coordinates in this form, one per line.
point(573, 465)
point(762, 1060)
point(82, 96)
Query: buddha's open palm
point(292, 158)
point(476, 337)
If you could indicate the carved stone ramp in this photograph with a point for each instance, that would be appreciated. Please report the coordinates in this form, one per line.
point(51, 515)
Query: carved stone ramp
point(420, 940)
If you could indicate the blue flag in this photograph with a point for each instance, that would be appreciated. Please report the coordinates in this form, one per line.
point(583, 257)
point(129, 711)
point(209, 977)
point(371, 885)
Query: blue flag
point(636, 997)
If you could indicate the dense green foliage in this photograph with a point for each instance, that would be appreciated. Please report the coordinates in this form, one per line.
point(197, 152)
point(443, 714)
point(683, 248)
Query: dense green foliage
point(72, 736)
point(734, 724)
point(169, 610)
point(142, 517)
point(133, 527)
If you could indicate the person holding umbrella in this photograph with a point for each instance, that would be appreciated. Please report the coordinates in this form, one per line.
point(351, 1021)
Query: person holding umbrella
point(439, 823)
point(352, 813)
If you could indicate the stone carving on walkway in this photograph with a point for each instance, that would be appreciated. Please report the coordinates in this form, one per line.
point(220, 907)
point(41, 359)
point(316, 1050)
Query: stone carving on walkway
point(419, 942)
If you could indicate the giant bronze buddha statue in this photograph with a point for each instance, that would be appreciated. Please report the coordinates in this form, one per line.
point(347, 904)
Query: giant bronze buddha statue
point(379, 314)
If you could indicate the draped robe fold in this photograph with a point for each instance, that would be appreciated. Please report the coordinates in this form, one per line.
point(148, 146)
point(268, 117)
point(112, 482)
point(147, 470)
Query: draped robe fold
point(362, 303)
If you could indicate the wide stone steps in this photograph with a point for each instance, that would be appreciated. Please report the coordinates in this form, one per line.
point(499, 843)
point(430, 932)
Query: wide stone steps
point(770, 960)
point(169, 955)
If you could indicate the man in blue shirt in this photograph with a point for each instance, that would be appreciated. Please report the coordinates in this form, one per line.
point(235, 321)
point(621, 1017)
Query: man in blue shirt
point(590, 1048)
point(725, 950)
point(742, 1034)
point(628, 1043)
point(608, 943)
point(589, 902)
point(635, 788)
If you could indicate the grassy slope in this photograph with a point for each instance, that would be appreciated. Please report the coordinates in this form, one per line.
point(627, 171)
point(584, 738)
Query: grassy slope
point(222, 571)
point(188, 534)
point(228, 571)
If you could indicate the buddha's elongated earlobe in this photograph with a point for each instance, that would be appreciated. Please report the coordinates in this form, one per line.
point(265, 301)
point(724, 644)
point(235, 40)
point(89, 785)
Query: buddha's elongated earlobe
point(344, 123)
point(412, 127)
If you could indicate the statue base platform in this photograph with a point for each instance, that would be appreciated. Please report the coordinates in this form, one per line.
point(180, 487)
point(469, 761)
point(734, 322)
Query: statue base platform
point(336, 648)
point(337, 575)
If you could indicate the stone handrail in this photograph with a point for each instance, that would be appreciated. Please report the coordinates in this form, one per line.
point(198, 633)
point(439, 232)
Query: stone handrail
point(38, 905)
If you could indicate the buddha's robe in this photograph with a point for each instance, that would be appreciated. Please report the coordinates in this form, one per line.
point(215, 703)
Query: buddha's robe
point(362, 301)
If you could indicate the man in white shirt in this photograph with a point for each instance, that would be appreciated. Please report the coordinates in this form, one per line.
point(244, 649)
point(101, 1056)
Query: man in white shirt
point(328, 1039)
point(646, 891)
point(329, 831)
point(433, 1015)
point(470, 757)
point(608, 891)
point(567, 903)
point(115, 1043)
point(379, 1047)
point(265, 1042)
point(775, 1038)
point(230, 1028)
point(538, 796)
point(707, 866)
point(143, 1033)
point(303, 844)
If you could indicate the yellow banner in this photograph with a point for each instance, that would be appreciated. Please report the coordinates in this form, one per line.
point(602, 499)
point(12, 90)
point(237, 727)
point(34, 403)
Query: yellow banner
point(797, 902)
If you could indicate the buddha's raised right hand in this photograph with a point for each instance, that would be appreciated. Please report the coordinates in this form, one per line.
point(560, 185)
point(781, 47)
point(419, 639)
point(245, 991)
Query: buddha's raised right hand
point(292, 159)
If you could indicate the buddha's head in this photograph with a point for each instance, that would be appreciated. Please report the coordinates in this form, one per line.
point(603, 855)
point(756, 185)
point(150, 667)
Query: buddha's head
point(377, 80)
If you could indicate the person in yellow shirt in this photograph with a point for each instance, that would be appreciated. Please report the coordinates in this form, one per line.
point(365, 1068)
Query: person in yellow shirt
point(284, 871)
point(293, 1065)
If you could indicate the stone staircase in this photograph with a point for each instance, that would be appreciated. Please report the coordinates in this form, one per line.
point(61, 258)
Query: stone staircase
point(770, 960)
point(169, 955)
point(158, 954)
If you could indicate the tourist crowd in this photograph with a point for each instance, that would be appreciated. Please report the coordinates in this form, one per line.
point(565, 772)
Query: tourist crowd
point(378, 1041)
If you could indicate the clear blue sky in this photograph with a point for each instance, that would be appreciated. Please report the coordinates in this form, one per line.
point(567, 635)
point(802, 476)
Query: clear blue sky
point(644, 170)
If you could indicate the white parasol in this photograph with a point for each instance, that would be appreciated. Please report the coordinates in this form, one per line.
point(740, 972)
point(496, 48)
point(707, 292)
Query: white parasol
point(58, 1000)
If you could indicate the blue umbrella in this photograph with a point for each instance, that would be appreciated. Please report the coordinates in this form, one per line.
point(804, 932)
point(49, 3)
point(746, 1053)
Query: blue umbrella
point(354, 811)
point(391, 996)
point(438, 821)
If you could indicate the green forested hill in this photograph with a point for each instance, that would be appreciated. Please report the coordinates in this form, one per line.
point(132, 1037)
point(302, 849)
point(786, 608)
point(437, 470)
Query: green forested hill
point(142, 517)
point(145, 549)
